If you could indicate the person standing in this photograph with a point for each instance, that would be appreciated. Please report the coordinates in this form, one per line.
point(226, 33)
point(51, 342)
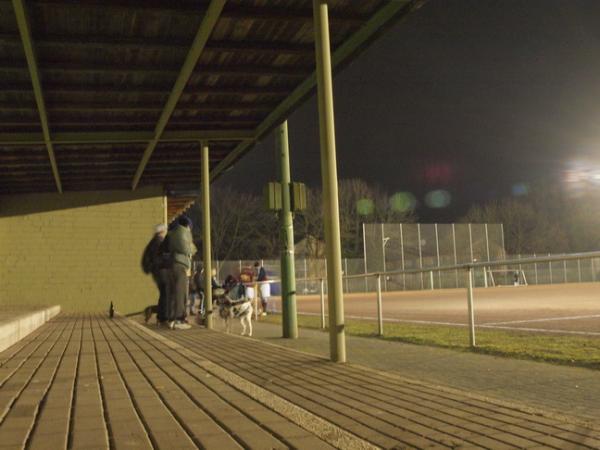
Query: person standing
point(156, 262)
point(181, 248)
point(264, 288)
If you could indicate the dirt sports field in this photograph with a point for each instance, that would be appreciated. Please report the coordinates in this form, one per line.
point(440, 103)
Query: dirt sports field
point(564, 308)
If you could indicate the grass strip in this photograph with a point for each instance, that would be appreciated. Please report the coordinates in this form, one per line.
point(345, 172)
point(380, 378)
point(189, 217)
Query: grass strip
point(555, 348)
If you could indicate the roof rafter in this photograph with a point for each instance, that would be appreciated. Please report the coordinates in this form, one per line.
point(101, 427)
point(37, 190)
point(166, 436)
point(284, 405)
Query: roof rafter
point(30, 55)
point(342, 54)
point(140, 42)
point(207, 25)
point(208, 69)
point(115, 137)
point(147, 89)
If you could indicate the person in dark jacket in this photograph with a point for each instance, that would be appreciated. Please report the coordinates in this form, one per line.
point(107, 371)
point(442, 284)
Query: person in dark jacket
point(156, 262)
point(181, 249)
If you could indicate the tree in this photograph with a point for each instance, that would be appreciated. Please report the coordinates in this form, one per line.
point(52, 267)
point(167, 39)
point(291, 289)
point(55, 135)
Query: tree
point(241, 228)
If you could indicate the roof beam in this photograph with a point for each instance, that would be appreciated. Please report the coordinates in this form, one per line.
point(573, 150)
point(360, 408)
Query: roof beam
point(341, 55)
point(147, 89)
point(116, 137)
point(230, 70)
point(25, 32)
point(207, 25)
point(192, 8)
point(137, 42)
point(142, 106)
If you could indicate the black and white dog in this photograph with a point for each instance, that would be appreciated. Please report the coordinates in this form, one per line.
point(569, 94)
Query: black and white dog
point(233, 304)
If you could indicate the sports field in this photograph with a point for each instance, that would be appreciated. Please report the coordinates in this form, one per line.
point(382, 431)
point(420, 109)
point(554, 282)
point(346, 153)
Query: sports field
point(566, 308)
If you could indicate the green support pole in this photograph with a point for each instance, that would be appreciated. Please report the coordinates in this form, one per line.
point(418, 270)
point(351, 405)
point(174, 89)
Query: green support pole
point(335, 296)
point(288, 269)
point(206, 245)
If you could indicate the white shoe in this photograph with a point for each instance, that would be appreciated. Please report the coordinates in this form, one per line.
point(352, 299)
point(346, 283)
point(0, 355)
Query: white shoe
point(263, 313)
point(182, 326)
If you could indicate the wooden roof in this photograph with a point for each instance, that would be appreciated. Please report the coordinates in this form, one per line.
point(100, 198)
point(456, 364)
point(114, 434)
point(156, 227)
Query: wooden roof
point(115, 94)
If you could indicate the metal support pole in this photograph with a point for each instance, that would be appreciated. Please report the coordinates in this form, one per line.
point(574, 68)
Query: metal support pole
point(206, 244)
point(470, 307)
point(502, 236)
point(383, 242)
point(593, 269)
point(565, 271)
point(485, 277)
point(487, 242)
point(379, 308)
point(431, 280)
point(289, 319)
point(305, 276)
point(335, 297)
point(579, 270)
point(322, 292)
point(402, 256)
point(437, 248)
point(346, 274)
point(535, 271)
point(420, 254)
point(455, 256)
point(550, 268)
point(165, 211)
point(365, 257)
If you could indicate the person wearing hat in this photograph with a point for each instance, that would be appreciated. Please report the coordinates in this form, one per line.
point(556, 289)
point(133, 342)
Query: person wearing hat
point(181, 248)
point(156, 262)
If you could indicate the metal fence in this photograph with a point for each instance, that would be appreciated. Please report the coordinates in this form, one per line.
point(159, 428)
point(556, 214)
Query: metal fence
point(561, 269)
point(570, 263)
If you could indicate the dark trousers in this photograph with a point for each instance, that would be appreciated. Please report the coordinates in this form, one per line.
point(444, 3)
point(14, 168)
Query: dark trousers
point(177, 292)
point(161, 278)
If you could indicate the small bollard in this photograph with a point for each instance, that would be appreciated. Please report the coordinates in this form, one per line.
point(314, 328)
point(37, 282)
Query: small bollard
point(431, 280)
point(322, 287)
point(111, 310)
point(470, 306)
point(379, 309)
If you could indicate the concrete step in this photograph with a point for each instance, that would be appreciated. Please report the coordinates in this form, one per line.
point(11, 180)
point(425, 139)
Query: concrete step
point(13, 329)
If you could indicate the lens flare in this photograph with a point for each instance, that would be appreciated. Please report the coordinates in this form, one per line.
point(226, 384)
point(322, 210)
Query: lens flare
point(403, 202)
point(438, 199)
point(365, 206)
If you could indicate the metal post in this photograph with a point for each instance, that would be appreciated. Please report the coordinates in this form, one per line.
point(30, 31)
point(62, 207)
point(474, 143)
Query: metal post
point(470, 307)
point(535, 271)
point(565, 271)
point(550, 268)
point(289, 319)
point(485, 278)
point(502, 236)
point(365, 257)
point(346, 273)
point(593, 269)
point(431, 279)
point(165, 211)
point(379, 308)
point(487, 242)
point(337, 341)
point(437, 247)
point(322, 292)
point(366, 280)
point(455, 256)
point(305, 276)
point(471, 246)
point(402, 256)
point(420, 254)
point(383, 242)
point(206, 244)
point(579, 270)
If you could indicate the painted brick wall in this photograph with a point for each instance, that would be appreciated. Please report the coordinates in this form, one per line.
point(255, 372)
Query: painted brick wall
point(79, 250)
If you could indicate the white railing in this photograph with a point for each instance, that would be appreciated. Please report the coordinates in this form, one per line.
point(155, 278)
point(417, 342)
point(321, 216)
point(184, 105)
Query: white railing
point(467, 267)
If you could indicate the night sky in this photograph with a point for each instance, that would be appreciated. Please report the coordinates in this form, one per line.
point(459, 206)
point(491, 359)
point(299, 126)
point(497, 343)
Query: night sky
point(475, 97)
